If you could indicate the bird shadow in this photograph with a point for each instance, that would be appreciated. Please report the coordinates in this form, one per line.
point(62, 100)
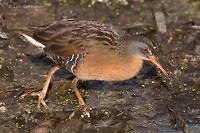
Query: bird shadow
point(44, 62)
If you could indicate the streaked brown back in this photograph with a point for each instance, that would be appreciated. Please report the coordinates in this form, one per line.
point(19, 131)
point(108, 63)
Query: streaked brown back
point(69, 36)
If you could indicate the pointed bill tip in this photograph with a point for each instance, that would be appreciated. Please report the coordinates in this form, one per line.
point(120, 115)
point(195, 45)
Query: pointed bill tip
point(154, 60)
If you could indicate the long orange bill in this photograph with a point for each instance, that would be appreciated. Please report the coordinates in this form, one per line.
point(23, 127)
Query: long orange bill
point(154, 60)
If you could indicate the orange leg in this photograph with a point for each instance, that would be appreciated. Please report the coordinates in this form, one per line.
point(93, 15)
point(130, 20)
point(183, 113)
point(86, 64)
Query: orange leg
point(80, 99)
point(78, 95)
point(45, 88)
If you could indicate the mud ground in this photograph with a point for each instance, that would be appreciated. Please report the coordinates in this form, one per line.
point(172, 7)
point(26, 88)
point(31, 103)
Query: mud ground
point(149, 102)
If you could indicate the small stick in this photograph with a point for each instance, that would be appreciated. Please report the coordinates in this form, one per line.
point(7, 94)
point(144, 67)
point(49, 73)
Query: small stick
point(161, 25)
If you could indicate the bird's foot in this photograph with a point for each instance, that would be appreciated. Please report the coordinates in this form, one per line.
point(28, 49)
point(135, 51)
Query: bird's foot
point(41, 101)
point(85, 111)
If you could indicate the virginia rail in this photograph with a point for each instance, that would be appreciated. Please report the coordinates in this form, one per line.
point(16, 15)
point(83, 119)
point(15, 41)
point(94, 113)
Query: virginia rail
point(91, 51)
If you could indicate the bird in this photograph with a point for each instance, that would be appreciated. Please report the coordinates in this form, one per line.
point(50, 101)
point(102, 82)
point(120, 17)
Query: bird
point(90, 50)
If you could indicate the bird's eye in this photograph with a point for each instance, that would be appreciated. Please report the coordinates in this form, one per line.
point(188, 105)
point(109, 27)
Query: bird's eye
point(144, 50)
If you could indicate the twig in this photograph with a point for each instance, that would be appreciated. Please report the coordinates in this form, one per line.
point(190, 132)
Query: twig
point(160, 22)
point(3, 35)
point(161, 26)
point(196, 27)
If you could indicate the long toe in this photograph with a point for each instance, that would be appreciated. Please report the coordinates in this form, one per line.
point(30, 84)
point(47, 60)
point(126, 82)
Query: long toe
point(44, 104)
point(38, 105)
point(86, 112)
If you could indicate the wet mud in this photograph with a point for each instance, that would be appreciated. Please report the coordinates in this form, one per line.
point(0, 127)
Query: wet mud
point(149, 102)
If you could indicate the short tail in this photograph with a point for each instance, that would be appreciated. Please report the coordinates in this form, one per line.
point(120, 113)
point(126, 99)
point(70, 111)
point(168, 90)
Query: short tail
point(27, 33)
point(33, 41)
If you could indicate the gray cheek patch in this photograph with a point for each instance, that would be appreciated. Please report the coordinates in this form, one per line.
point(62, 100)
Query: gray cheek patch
point(135, 49)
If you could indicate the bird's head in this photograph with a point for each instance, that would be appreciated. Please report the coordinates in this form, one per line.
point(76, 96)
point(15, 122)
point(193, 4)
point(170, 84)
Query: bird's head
point(141, 49)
